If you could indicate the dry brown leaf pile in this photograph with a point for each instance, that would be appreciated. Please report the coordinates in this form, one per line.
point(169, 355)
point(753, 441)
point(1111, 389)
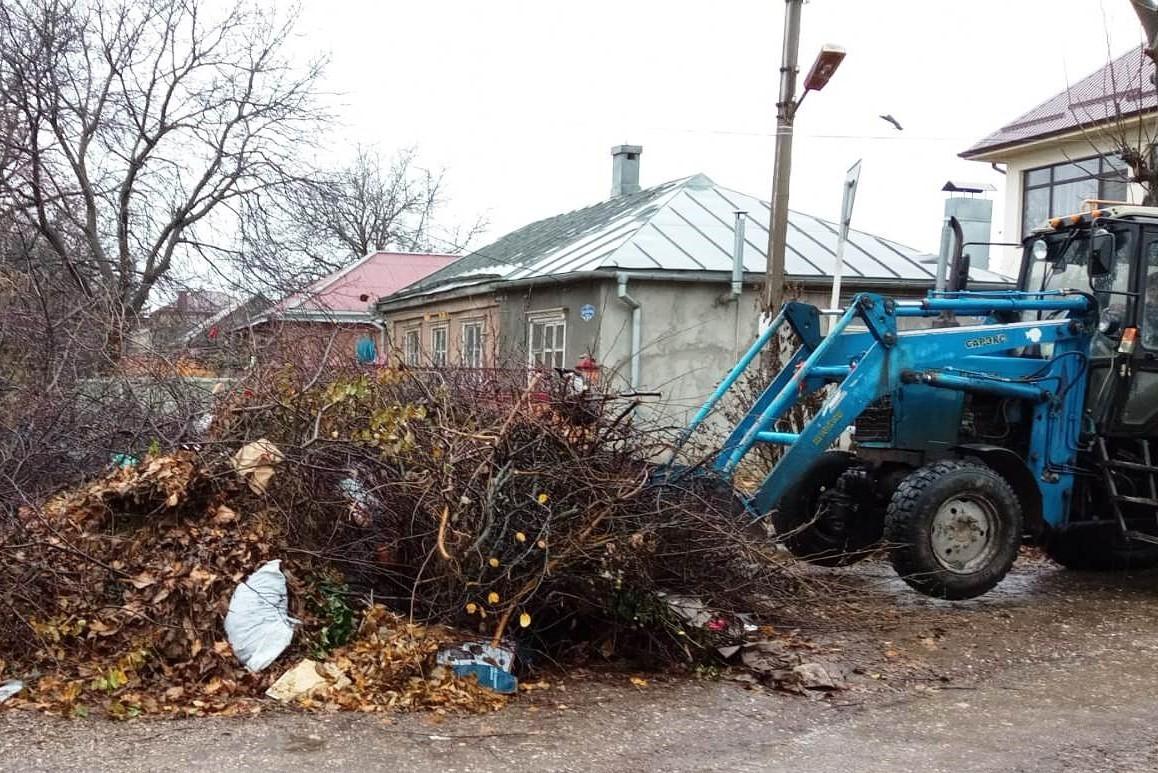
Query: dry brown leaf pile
point(119, 591)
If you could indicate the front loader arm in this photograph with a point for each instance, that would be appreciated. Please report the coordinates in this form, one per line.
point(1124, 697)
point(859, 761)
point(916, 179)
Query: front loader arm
point(870, 364)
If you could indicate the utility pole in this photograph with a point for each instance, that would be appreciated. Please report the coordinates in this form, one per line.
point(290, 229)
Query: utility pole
point(785, 112)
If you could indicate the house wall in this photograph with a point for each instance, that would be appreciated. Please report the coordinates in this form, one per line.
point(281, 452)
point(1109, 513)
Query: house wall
point(307, 342)
point(518, 306)
point(689, 339)
point(1007, 260)
point(453, 314)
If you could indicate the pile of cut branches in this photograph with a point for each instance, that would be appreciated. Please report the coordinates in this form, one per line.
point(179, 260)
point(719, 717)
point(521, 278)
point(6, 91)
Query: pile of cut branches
point(494, 505)
point(435, 504)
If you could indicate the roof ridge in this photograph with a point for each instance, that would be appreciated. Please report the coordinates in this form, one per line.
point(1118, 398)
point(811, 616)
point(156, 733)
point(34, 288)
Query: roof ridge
point(449, 274)
point(684, 183)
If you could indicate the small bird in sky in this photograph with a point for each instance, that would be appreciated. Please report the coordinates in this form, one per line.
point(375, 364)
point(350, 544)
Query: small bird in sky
point(893, 121)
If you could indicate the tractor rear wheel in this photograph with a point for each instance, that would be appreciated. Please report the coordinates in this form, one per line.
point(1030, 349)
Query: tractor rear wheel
point(954, 529)
point(1099, 549)
point(829, 517)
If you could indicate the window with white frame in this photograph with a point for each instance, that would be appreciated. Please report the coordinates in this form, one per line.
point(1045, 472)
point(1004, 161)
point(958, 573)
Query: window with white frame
point(438, 346)
point(412, 347)
point(546, 339)
point(472, 344)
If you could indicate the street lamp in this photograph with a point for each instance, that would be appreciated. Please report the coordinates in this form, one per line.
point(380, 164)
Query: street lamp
point(823, 68)
point(826, 64)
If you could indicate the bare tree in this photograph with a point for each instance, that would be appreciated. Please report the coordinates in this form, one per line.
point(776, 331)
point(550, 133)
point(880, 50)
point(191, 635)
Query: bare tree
point(369, 204)
point(138, 128)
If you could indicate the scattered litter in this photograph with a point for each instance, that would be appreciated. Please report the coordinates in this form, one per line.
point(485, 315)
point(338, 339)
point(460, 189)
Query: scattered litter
point(258, 623)
point(9, 688)
point(125, 461)
point(489, 664)
point(766, 657)
point(362, 502)
point(308, 678)
point(255, 462)
point(477, 652)
point(488, 676)
point(203, 422)
point(691, 609)
point(815, 676)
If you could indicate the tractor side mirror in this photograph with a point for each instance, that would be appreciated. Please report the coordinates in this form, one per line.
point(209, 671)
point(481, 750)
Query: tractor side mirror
point(1101, 260)
point(1110, 323)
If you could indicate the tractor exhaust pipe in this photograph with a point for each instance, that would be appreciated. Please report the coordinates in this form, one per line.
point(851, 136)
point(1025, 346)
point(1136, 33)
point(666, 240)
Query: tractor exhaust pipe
point(958, 272)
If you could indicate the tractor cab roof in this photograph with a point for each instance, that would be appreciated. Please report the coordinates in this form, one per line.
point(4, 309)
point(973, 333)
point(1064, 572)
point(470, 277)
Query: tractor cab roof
point(1106, 211)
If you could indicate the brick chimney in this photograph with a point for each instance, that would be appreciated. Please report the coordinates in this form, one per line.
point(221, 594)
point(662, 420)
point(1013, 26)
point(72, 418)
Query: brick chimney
point(625, 169)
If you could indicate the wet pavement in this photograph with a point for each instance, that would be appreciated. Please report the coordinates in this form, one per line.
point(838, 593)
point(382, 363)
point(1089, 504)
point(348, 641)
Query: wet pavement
point(1055, 671)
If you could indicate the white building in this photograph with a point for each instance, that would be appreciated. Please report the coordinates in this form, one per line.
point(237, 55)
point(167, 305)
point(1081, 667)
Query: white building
point(1065, 151)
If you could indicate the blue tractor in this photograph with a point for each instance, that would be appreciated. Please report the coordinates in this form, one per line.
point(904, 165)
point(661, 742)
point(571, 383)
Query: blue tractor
point(1021, 415)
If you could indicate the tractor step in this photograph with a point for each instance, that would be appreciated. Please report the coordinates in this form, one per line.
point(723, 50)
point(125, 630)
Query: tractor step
point(1108, 465)
point(1137, 500)
point(1142, 537)
point(1116, 464)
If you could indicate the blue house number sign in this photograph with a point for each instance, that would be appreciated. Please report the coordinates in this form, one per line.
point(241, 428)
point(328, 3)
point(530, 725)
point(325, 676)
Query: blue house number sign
point(587, 312)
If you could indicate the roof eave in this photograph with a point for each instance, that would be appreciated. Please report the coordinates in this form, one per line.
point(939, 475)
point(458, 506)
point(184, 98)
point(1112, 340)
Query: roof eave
point(385, 306)
point(1002, 151)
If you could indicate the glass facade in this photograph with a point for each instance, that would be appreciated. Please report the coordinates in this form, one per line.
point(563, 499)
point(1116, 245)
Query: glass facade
point(1060, 189)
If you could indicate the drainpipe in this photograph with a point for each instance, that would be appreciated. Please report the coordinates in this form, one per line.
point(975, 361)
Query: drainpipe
point(383, 353)
point(632, 304)
point(737, 261)
point(738, 255)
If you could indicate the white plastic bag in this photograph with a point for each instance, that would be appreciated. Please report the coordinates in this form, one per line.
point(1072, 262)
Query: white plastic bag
point(9, 688)
point(258, 623)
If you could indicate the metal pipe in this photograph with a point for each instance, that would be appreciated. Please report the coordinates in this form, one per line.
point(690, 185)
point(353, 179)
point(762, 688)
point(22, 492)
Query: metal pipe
point(636, 326)
point(778, 438)
point(963, 383)
point(791, 391)
point(982, 306)
point(383, 350)
point(942, 277)
point(738, 255)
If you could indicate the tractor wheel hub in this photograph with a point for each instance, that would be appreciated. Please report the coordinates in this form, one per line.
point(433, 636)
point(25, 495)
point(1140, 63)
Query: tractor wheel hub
point(963, 534)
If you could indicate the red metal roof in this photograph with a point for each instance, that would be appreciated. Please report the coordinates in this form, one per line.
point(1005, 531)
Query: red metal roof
point(1123, 87)
point(356, 287)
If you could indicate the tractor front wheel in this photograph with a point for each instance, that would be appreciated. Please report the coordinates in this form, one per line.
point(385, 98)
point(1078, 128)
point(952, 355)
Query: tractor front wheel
point(954, 529)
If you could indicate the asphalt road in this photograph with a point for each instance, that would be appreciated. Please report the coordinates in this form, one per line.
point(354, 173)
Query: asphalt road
point(1055, 672)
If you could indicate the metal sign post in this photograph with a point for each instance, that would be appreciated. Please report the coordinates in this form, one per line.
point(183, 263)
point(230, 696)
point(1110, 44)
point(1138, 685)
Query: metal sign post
point(850, 183)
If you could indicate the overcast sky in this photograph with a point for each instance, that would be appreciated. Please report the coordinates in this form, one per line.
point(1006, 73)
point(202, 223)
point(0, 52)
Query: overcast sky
point(520, 100)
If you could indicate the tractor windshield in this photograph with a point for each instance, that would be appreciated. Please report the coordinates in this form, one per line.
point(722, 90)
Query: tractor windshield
point(1061, 261)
